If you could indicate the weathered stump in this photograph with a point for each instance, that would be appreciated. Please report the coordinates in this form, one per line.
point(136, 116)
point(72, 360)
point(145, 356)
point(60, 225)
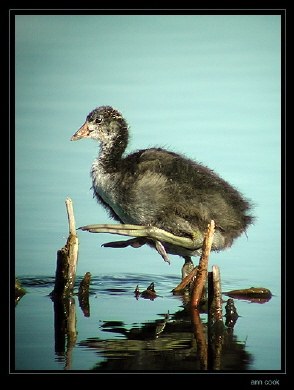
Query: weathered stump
point(67, 258)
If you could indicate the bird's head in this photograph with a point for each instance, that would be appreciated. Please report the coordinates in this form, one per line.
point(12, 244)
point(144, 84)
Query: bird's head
point(104, 124)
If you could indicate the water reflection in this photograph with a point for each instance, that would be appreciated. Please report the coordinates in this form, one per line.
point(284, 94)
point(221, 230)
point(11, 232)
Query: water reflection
point(174, 343)
point(180, 341)
point(65, 333)
point(112, 330)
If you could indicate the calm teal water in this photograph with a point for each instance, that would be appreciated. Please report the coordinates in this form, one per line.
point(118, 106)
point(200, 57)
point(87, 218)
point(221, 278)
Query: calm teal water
point(114, 331)
point(206, 86)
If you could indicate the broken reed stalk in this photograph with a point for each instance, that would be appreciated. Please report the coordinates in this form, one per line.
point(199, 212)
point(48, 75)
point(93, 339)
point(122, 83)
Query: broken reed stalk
point(203, 265)
point(217, 293)
point(186, 280)
point(73, 245)
point(67, 258)
point(214, 296)
point(215, 320)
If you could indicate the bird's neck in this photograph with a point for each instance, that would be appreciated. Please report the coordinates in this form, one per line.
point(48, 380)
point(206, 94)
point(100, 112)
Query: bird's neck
point(111, 153)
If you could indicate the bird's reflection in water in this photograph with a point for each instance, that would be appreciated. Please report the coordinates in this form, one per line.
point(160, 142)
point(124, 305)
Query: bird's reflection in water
point(179, 342)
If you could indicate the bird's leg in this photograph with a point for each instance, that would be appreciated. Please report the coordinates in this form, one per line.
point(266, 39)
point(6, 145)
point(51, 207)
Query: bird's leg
point(151, 232)
point(134, 242)
point(137, 243)
point(187, 267)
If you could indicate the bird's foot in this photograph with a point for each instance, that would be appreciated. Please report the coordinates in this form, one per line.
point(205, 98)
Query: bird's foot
point(150, 232)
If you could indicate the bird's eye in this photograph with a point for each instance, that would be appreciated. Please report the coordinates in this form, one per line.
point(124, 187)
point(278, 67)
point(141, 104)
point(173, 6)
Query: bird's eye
point(98, 120)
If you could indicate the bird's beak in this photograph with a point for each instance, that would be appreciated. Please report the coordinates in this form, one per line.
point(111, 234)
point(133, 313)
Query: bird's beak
point(83, 132)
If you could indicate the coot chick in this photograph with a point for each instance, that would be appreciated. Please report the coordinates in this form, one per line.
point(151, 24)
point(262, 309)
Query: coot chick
point(160, 197)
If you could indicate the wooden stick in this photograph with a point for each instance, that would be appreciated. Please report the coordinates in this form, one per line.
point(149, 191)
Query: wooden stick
point(70, 216)
point(217, 293)
point(203, 265)
point(214, 297)
point(215, 320)
point(67, 258)
point(73, 245)
point(186, 280)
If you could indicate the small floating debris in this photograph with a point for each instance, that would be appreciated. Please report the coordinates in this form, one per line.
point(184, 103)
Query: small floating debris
point(149, 293)
point(137, 292)
point(253, 294)
point(19, 291)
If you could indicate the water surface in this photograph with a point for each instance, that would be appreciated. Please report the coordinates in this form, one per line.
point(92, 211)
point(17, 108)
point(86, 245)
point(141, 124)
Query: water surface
point(119, 332)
